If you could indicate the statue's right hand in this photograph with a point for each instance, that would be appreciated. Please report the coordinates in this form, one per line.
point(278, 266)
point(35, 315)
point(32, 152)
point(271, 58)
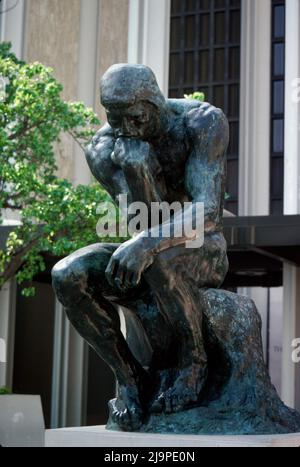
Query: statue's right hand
point(129, 150)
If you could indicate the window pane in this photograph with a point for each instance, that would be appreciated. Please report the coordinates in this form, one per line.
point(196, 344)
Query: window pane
point(204, 30)
point(278, 136)
point(234, 139)
point(190, 5)
point(220, 3)
point(174, 93)
point(279, 21)
point(175, 33)
point(189, 67)
point(234, 101)
point(174, 69)
point(188, 91)
point(190, 31)
point(219, 74)
point(278, 59)
point(176, 6)
point(234, 63)
point(204, 66)
point(220, 28)
point(235, 26)
point(277, 170)
point(277, 208)
point(219, 97)
point(232, 178)
point(278, 97)
point(205, 4)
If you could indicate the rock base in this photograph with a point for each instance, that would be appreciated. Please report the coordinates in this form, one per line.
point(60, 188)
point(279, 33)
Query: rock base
point(239, 398)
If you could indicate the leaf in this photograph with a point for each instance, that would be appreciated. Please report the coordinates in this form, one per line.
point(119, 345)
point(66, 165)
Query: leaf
point(198, 96)
point(5, 392)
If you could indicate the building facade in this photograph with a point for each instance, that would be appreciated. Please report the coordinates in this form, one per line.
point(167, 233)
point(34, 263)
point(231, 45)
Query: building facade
point(245, 56)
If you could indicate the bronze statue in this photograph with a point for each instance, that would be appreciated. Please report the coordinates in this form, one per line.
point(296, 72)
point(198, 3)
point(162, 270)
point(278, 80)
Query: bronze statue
point(155, 150)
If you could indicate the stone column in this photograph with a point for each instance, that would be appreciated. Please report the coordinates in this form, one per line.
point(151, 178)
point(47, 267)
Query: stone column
point(52, 38)
point(13, 25)
point(87, 79)
point(254, 161)
point(112, 40)
point(7, 333)
point(254, 176)
point(149, 37)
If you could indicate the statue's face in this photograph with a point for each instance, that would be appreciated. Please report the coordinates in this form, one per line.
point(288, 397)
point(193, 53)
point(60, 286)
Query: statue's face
point(137, 121)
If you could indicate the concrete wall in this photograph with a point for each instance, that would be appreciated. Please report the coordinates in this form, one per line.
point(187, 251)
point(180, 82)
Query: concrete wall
point(112, 40)
point(52, 37)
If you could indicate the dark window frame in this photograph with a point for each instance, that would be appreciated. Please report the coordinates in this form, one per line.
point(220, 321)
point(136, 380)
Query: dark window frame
point(276, 157)
point(227, 86)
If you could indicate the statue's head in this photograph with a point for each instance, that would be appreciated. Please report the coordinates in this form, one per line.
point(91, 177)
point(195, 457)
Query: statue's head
point(134, 104)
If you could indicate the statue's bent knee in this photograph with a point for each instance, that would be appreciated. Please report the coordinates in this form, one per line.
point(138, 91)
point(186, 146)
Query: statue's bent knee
point(68, 280)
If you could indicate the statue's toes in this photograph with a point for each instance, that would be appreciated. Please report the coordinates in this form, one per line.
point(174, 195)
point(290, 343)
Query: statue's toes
point(184, 401)
point(163, 403)
point(169, 401)
point(127, 419)
point(115, 413)
point(158, 406)
point(135, 420)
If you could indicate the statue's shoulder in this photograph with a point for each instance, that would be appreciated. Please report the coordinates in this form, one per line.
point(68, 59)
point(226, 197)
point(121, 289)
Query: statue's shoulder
point(180, 110)
point(195, 114)
point(181, 107)
point(205, 117)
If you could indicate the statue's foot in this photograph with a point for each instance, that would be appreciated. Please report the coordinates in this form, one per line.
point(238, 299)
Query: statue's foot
point(126, 410)
point(184, 393)
point(166, 380)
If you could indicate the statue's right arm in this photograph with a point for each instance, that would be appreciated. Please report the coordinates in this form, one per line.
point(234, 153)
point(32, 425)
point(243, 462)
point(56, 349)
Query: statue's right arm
point(98, 155)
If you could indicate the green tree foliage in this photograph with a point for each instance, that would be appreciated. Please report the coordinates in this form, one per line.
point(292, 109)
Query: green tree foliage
point(55, 217)
point(197, 96)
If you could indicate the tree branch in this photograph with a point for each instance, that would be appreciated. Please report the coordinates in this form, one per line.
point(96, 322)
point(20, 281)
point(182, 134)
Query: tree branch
point(76, 140)
point(17, 260)
point(13, 207)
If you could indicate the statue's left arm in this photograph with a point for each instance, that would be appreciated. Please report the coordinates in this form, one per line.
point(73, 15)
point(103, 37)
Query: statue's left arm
point(205, 176)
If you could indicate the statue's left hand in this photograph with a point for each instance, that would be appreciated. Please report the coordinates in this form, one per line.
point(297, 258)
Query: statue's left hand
point(128, 263)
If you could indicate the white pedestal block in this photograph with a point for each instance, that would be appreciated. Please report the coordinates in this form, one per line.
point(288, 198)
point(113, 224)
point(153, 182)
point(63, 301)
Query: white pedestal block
point(21, 422)
point(99, 437)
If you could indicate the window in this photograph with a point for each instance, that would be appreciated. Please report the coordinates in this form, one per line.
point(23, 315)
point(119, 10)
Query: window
point(205, 56)
point(277, 103)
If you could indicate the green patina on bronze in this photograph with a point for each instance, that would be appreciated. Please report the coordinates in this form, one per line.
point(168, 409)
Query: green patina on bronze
point(192, 361)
